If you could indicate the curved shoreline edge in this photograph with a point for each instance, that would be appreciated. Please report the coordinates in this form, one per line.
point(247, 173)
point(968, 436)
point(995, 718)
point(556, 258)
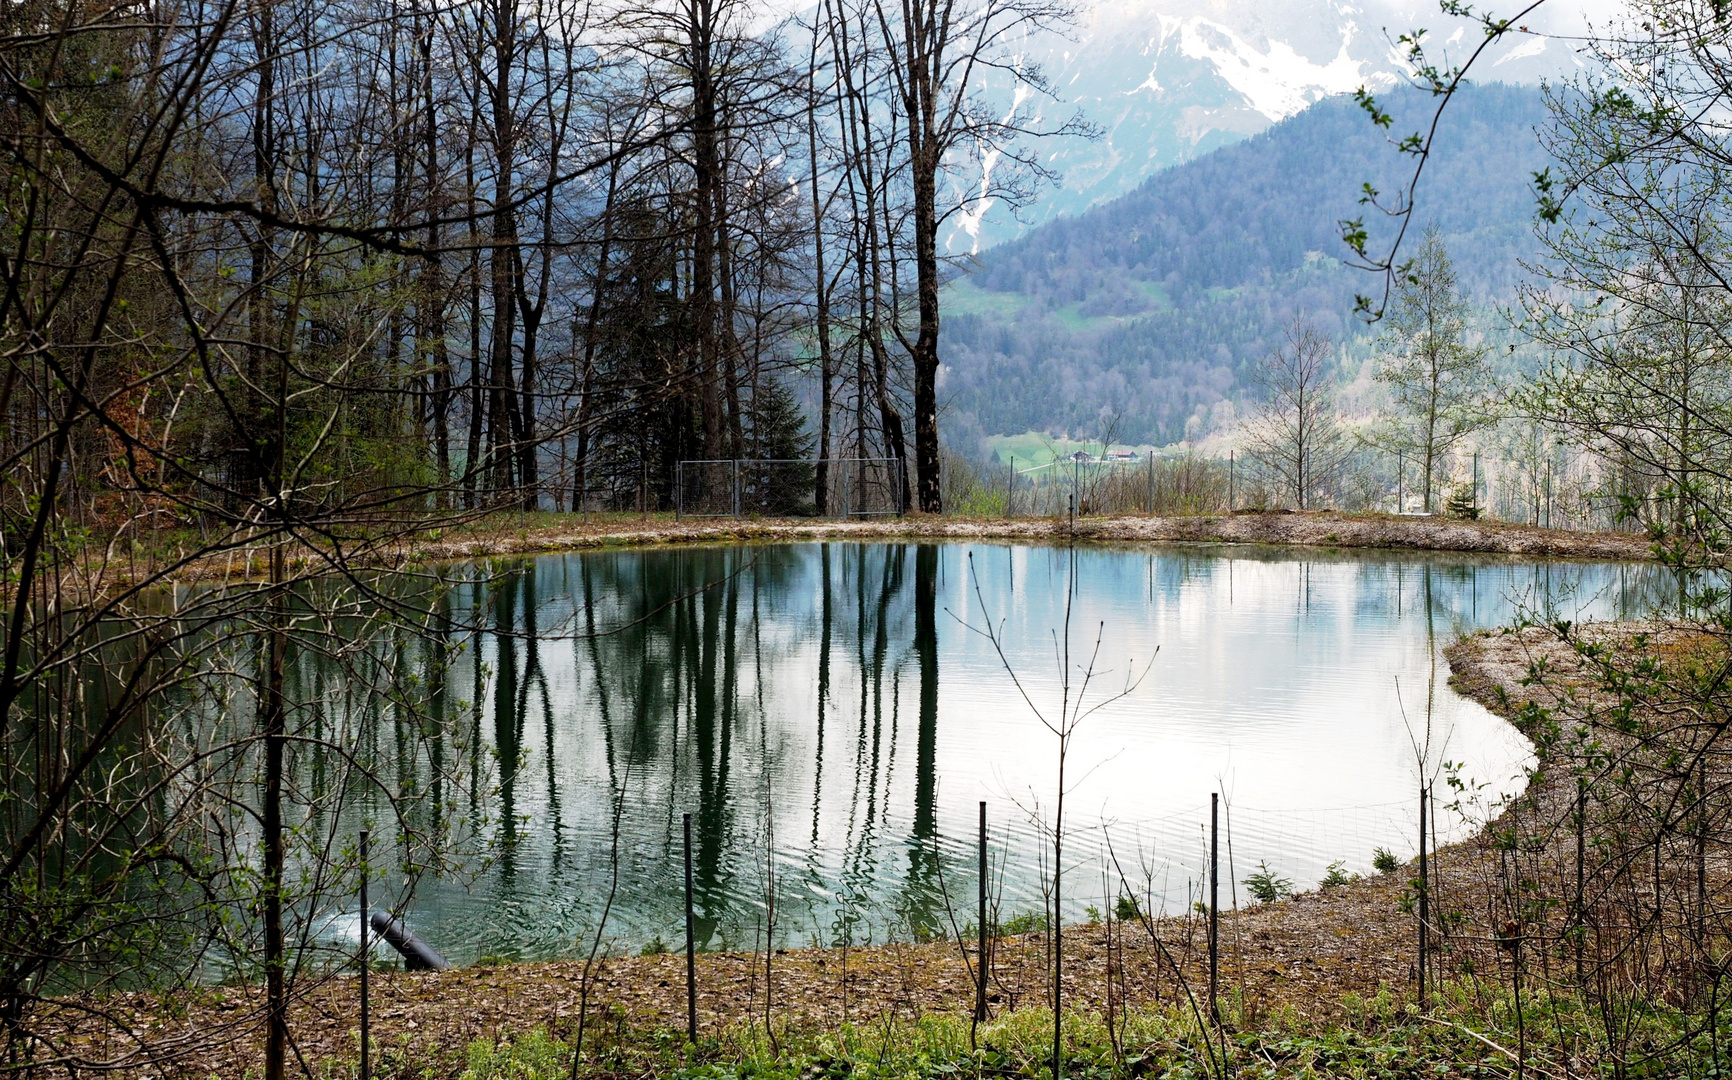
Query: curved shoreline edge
point(1308, 954)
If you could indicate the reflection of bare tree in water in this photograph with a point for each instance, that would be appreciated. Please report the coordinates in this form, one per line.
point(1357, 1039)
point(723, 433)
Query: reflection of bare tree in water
point(922, 900)
point(675, 657)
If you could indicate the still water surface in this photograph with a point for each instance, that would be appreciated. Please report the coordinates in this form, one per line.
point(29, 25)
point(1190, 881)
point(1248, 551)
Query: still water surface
point(833, 708)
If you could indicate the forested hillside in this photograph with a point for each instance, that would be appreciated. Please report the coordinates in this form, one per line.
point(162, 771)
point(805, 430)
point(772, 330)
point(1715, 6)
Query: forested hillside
point(1153, 305)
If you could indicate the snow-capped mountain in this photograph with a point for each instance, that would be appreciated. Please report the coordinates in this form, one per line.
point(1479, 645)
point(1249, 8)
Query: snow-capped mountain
point(1165, 80)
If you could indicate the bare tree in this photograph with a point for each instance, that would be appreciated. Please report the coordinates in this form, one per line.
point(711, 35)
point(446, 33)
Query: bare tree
point(934, 55)
point(1073, 708)
point(1296, 439)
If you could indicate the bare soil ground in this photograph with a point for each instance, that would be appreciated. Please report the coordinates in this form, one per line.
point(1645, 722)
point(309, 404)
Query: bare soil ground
point(1305, 956)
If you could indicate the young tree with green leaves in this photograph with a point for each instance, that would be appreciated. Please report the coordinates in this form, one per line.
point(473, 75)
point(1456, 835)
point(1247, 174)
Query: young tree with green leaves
point(1635, 312)
point(1440, 386)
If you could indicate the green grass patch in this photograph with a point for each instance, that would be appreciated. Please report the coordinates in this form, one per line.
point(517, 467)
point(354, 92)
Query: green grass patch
point(964, 297)
point(1471, 1031)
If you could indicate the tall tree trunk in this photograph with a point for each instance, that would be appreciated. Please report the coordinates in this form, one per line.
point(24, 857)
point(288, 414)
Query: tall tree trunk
point(432, 292)
point(250, 451)
point(821, 293)
point(922, 63)
point(273, 720)
point(527, 445)
point(472, 468)
point(503, 255)
point(592, 324)
point(505, 430)
point(264, 458)
point(924, 163)
point(727, 337)
point(706, 170)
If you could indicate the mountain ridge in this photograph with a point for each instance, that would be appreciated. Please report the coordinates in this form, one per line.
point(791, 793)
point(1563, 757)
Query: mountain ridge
point(1167, 81)
point(1154, 306)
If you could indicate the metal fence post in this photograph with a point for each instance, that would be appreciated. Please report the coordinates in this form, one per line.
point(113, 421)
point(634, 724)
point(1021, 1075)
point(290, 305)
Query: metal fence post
point(691, 945)
point(1214, 904)
point(980, 961)
point(366, 962)
point(736, 487)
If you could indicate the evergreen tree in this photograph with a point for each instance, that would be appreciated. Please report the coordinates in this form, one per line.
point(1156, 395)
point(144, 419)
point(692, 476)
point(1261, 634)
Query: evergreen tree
point(780, 481)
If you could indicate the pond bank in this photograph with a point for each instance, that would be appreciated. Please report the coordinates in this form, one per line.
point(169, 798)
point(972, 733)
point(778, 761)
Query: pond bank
point(531, 534)
point(1302, 957)
point(505, 534)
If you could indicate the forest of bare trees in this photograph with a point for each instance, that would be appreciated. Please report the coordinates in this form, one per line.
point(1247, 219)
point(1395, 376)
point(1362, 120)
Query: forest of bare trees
point(541, 252)
point(288, 283)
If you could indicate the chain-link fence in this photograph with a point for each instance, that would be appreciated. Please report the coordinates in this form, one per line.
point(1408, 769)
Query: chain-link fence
point(770, 487)
point(1558, 487)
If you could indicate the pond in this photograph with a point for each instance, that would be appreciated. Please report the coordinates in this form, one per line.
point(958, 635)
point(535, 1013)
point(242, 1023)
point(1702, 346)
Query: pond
point(831, 716)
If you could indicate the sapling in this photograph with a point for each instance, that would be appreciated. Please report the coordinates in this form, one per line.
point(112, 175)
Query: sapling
point(1267, 886)
point(1073, 708)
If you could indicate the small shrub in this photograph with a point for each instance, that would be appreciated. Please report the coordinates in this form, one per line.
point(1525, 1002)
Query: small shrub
point(1267, 886)
point(1127, 909)
point(1028, 922)
point(655, 947)
point(1336, 874)
point(1384, 861)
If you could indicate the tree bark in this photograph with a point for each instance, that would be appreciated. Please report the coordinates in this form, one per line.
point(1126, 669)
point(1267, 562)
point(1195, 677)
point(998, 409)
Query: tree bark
point(821, 293)
point(706, 168)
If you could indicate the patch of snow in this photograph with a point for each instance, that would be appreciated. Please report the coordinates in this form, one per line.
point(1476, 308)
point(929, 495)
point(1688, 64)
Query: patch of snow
point(1534, 46)
point(1277, 81)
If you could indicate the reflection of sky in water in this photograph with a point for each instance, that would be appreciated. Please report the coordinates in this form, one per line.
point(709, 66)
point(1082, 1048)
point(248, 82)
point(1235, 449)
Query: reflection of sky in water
point(858, 749)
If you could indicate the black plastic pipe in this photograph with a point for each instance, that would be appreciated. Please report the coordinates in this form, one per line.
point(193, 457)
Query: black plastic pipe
point(417, 954)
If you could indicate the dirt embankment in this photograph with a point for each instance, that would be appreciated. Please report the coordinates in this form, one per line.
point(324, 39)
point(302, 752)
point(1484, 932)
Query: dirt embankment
point(1305, 954)
point(512, 534)
point(1318, 529)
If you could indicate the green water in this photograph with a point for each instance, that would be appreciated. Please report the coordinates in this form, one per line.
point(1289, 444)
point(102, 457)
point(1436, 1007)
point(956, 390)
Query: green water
point(830, 716)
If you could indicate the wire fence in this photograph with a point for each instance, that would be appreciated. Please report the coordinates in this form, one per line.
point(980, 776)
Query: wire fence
point(1563, 490)
point(790, 487)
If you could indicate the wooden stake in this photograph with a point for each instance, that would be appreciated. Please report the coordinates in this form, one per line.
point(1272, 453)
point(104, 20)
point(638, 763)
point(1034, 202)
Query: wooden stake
point(980, 962)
